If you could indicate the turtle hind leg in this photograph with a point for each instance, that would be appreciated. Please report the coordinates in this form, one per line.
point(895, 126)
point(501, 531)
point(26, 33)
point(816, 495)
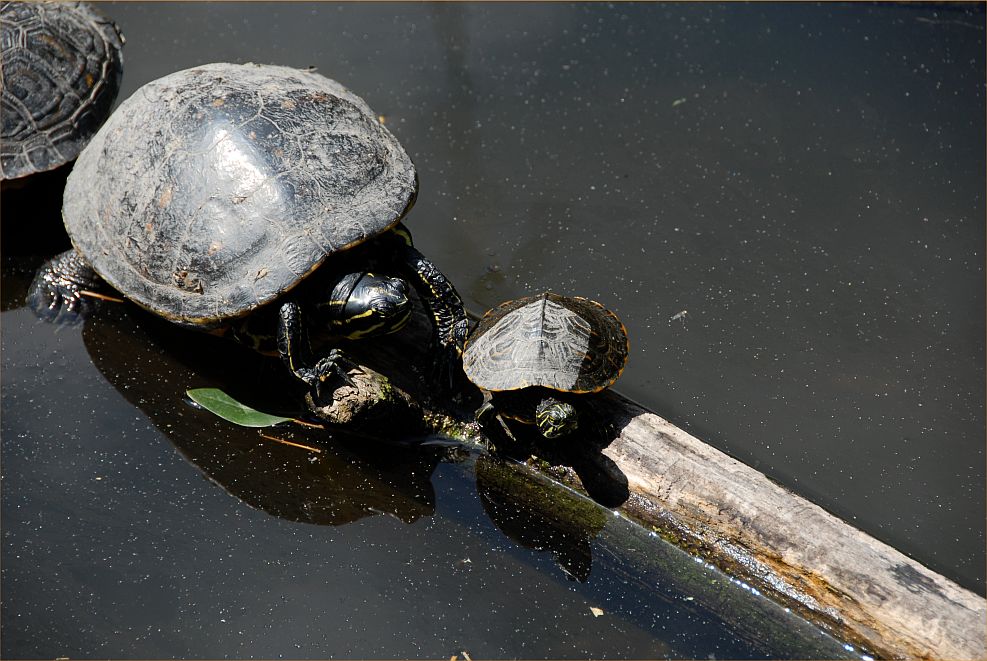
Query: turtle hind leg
point(61, 290)
point(296, 353)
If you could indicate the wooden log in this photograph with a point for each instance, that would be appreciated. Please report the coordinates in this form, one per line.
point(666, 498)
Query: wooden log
point(861, 589)
point(370, 403)
point(374, 407)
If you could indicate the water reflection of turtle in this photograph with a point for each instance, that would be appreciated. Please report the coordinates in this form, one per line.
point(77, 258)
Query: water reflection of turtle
point(347, 480)
point(535, 357)
point(217, 190)
point(61, 68)
point(540, 515)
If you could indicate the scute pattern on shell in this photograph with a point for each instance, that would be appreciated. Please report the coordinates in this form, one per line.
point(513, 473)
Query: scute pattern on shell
point(61, 69)
point(569, 344)
point(215, 189)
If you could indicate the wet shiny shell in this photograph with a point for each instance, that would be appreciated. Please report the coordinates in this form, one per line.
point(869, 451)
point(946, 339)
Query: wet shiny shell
point(213, 190)
point(558, 342)
point(61, 65)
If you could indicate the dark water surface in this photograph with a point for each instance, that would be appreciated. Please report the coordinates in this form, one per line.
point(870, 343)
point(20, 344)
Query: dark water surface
point(115, 546)
point(806, 181)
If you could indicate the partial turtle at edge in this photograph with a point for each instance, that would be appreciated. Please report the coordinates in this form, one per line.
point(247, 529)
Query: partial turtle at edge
point(60, 70)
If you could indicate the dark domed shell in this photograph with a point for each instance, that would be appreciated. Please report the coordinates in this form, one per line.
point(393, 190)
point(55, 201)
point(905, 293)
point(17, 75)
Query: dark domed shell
point(61, 65)
point(558, 342)
point(213, 190)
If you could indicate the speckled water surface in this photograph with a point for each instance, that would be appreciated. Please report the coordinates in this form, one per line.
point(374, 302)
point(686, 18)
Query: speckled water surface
point(139, 526)
point(784, 204)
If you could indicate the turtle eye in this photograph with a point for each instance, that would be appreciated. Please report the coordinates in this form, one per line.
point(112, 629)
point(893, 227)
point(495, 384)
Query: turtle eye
point(383, 307)
point(391, 297)
point(398, 287)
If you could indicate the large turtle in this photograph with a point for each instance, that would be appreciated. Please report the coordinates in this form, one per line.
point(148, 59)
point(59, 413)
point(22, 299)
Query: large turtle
point(214, 191)
point(534, 356)
point(61, 65)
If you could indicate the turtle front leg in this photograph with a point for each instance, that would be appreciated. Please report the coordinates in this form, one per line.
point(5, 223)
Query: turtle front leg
point(444, 305)
point(296, 352)
point(493, 424)
point(60, 291)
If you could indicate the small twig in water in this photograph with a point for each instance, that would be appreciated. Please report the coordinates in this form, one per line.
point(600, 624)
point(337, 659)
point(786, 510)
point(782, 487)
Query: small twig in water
point(291, 443)
point(314, 425)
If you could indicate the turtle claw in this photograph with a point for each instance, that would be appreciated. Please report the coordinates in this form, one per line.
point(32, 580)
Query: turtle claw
point(447, 370)
point(345, 376)
point(56, 304)
point(293, 345)
point(335, 364)
point(57, 293)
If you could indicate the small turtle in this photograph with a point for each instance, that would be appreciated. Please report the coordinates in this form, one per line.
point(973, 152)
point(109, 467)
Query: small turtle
point(214, 191)
point(61, 67)
point(533, 356)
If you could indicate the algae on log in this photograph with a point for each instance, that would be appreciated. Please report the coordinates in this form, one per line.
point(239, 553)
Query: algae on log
point(538, 513)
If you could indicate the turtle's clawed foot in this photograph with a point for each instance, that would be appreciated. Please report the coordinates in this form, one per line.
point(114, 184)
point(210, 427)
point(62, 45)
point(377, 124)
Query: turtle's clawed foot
point(55, 300)
point(447, 371)
point(57, 293)
point(333, 365)
point(296, 352)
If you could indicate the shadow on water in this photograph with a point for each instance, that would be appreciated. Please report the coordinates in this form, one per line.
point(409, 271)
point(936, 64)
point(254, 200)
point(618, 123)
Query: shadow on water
point(336, 483)
point(335, 478)
point(540, 516)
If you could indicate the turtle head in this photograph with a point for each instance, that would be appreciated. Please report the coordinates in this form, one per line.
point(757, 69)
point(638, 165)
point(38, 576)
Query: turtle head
point(363, 304)
point(555, 418)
